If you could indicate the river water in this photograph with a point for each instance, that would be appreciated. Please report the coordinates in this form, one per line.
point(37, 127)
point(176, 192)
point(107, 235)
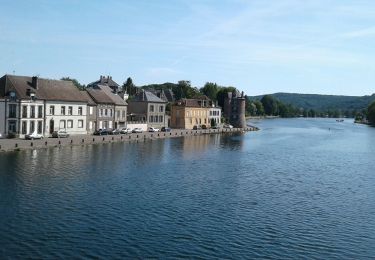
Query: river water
point(296, 189)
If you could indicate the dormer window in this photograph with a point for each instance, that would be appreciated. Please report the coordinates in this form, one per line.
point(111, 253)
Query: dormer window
point(12, 96)
point(32, 96)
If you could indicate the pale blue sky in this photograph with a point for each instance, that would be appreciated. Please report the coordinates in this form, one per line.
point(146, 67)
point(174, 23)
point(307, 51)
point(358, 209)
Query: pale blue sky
point(259, 46)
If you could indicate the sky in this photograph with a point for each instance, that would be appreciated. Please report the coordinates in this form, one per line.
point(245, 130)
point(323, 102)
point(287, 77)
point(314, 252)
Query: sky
point(257, 46)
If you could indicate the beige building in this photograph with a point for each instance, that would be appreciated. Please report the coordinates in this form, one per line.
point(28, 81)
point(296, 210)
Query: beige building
point(188, 113)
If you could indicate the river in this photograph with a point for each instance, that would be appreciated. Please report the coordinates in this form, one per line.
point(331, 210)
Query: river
point(298, 188)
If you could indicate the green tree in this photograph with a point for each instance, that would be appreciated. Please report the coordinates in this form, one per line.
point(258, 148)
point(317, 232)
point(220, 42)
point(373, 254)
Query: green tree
point(259, 108)
point(270, 105)
point(371, 113)
point(223, 93)
point(210, 90)
point(75, 83)
point(129, 87)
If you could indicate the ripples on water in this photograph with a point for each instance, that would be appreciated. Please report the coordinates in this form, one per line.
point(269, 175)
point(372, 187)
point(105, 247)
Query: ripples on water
point(296, 189)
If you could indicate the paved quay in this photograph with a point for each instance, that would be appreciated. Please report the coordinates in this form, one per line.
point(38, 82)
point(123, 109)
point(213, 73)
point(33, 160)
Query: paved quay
point(7, 145)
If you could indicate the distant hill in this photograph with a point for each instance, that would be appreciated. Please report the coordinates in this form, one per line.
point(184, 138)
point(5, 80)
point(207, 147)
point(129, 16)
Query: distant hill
point(322, 102)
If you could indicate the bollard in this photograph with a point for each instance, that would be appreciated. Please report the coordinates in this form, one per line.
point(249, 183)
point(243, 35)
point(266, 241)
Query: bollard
point(103, 138)
point(71, 141)
point(45, 143)
point(16, 145)
point(83, 140)
point(31, 144)
point(60, 142)
point(93, 139)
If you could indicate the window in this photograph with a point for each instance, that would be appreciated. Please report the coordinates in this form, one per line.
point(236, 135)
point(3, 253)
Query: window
point(12, 126)
point(70, 124)
point(101, 112)
point(123, 114)
point(40, 111)
point(161, 109)
point(80, 111)
point(90, 125)
point(12, 110)
point(110, 124)
point(24, 127)
point(40, 127)
point(32, 127)
point(24, 112)
point(52, 110)
point(63, 110)
point(161, 119)
point(156, 119)
point(32, 111)
point(151, 119)
point(91, 110)
point(80, 123)
point(118, 113)
point(151, 108)
point(100, 124)
point(106, 112)
point(70, 111)
point(110, 112)
point(62, 124)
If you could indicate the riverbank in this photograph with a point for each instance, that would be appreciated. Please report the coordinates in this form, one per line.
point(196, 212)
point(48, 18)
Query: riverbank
point(261, 117)
point(7, 145)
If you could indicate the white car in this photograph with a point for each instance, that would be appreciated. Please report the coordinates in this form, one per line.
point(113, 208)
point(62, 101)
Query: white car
point(125, 131)
point(137, 130)
point(153, 129)
point(33, 136)
point(227, 126)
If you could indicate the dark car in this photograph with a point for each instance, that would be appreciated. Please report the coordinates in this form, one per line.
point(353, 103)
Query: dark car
point(101, 132)
point(197, 127)
point(165, 129)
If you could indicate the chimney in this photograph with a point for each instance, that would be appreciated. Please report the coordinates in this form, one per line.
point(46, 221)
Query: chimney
point(34, 82)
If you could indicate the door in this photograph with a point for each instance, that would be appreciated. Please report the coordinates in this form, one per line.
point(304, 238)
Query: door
point(51, 126)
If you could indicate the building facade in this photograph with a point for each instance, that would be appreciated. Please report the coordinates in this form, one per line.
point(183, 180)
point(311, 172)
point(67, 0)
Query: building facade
point(148, 108)
point(29, 102)
point(190, 113)
point(214, 116)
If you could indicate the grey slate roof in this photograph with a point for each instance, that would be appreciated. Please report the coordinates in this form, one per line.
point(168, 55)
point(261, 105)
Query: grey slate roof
point(147, 96)
point(106, 81)
point(104, 95)
point(115, 97)
point(88, 98)
point(47, 89)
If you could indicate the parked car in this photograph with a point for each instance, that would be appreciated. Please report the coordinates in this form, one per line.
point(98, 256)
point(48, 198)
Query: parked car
point(101, 132)
point(153, 129)
point(125, 130)
point(137, 130)
point(204, 127)
point(33, 136)
point(197, 127)
point(228, 126)
point(215, 127)
point(1, 136)
point(60, 134)
point(166, 129)
point(115, 132)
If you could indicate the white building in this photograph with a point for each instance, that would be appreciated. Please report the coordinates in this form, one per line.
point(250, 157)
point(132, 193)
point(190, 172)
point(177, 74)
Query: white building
point(29, 102)
point(214, 115)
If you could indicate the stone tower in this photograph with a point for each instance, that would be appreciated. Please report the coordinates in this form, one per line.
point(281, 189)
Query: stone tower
point(234, 109)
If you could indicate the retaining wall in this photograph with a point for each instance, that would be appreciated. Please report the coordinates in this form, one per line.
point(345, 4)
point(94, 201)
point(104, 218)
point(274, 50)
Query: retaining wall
point(19, 144)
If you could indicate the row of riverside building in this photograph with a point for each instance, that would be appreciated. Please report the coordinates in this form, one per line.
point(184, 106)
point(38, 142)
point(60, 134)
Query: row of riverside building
point(33, 104)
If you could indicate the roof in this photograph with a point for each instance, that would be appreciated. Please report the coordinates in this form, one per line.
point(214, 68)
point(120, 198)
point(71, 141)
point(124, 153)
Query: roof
point(86, 96)
point(99, 96)
point(115, 97)
point(106, 81)
point(105, 95)
point(147, 96)
point(193, 102)
point(46, 89)
point(166, 95)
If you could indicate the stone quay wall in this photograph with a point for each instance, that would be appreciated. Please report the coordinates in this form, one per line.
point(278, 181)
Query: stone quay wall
point(20, 144)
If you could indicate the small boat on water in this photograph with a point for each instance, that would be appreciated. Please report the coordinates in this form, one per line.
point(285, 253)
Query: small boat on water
point(340, 120)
